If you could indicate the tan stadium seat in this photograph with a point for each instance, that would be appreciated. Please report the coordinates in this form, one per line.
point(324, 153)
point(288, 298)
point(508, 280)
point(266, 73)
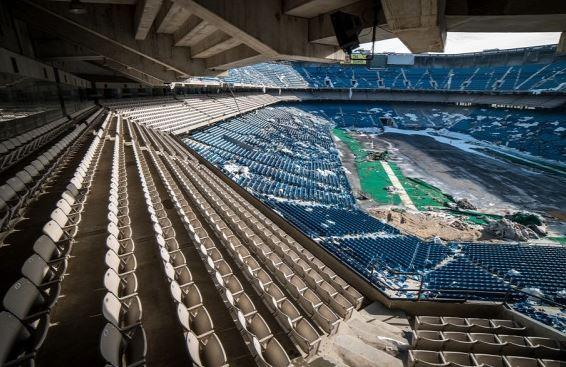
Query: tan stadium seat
point(25, 301)
point(189, 295)
point(271, 353)
point(515, 345)
point(486, 343)
point(458, 341)
point(123, 264)
point(19, 342)
point(326, 319)
point(121, 286)
point(206, 351)
point(44, 276)
point(507, 327)
point(425, 358)
point(124, 314)
point(456, 324)
point(196, 321)
point(458, 359)
point(429, 323)
point(514, 361)
point(428, 339)
point(123, 349)
point(490, 360)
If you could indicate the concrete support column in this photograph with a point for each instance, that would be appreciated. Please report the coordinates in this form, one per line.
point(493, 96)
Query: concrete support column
point(561, 48)
point(419, 24)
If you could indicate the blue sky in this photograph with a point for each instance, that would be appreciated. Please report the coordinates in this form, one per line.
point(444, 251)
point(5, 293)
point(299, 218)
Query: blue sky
point(458, 42)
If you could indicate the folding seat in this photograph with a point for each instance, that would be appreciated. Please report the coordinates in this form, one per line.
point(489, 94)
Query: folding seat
point(73, 216)
point(426, 339)
point(4, 214)
point(456, 324)
point(45, 277)
point(196, 321)
point(425, 358)
point(121, 233)
point(258, 328)
point(20, 341)
point(546, 347)
point(67, 225)
point(11, 198)
point(310, 301)
point(514, 361)
point(28, 181)
point(123, 349)
point(458, 359)
point(486, 343)
point(326, 319)
point(206, 351)
point(515, 345)
point(122, 265)
point(305, 336)
point(121, 222)
point(233, 285)
point(124, 247)
point(479, 325)
point(295, 285)
point(125, 314)
point(175, 258)
point(458, 341)
point(284, 272)
point(489, 360)
point(507, 327)
point(271, 353)
point(123, 287)
point(551, 363)
point(187, 295)
point(25, 301)
point(50, 246)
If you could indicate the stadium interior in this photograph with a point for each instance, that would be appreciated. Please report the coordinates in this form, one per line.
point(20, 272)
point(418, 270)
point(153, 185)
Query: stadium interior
point(234, 183)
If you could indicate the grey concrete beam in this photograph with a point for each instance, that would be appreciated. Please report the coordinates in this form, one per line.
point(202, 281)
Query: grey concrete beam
point(115, 24)
point(53, 23)
point(262, 27)
point(193, 31)
point(171, 17)
point(561, 47)
point(313, 8)
point(238, 56)
point(418, 24)
point(107, 2)
point(131, 73)
point(506, 23)
point(146, 11)
point(214, 44)
point(59, 50)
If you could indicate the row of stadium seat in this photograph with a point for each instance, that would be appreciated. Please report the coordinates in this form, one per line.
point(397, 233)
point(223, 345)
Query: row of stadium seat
point(425, 358)
point(23, 186)
point(486, 343)
point(527, 77)
point(28, 303)
point(180, 116)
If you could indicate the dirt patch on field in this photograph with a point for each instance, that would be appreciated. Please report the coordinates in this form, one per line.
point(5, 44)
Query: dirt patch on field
point(426, 225)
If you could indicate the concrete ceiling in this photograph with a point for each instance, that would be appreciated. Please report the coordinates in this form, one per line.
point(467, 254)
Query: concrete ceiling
point(157, 41)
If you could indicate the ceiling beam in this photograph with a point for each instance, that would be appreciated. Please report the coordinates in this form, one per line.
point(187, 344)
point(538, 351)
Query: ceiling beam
point(313, 8)
point(107, 2)
point(103, 25)
point(130, 73)
point(214, 44)
point(171, 17)
point(192, 31)
point(261, 26)
point(53, 23)
point(241, 55)
point(146, 11)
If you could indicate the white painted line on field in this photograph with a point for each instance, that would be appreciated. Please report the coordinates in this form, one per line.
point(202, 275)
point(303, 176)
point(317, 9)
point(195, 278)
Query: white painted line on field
point(405, 199)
